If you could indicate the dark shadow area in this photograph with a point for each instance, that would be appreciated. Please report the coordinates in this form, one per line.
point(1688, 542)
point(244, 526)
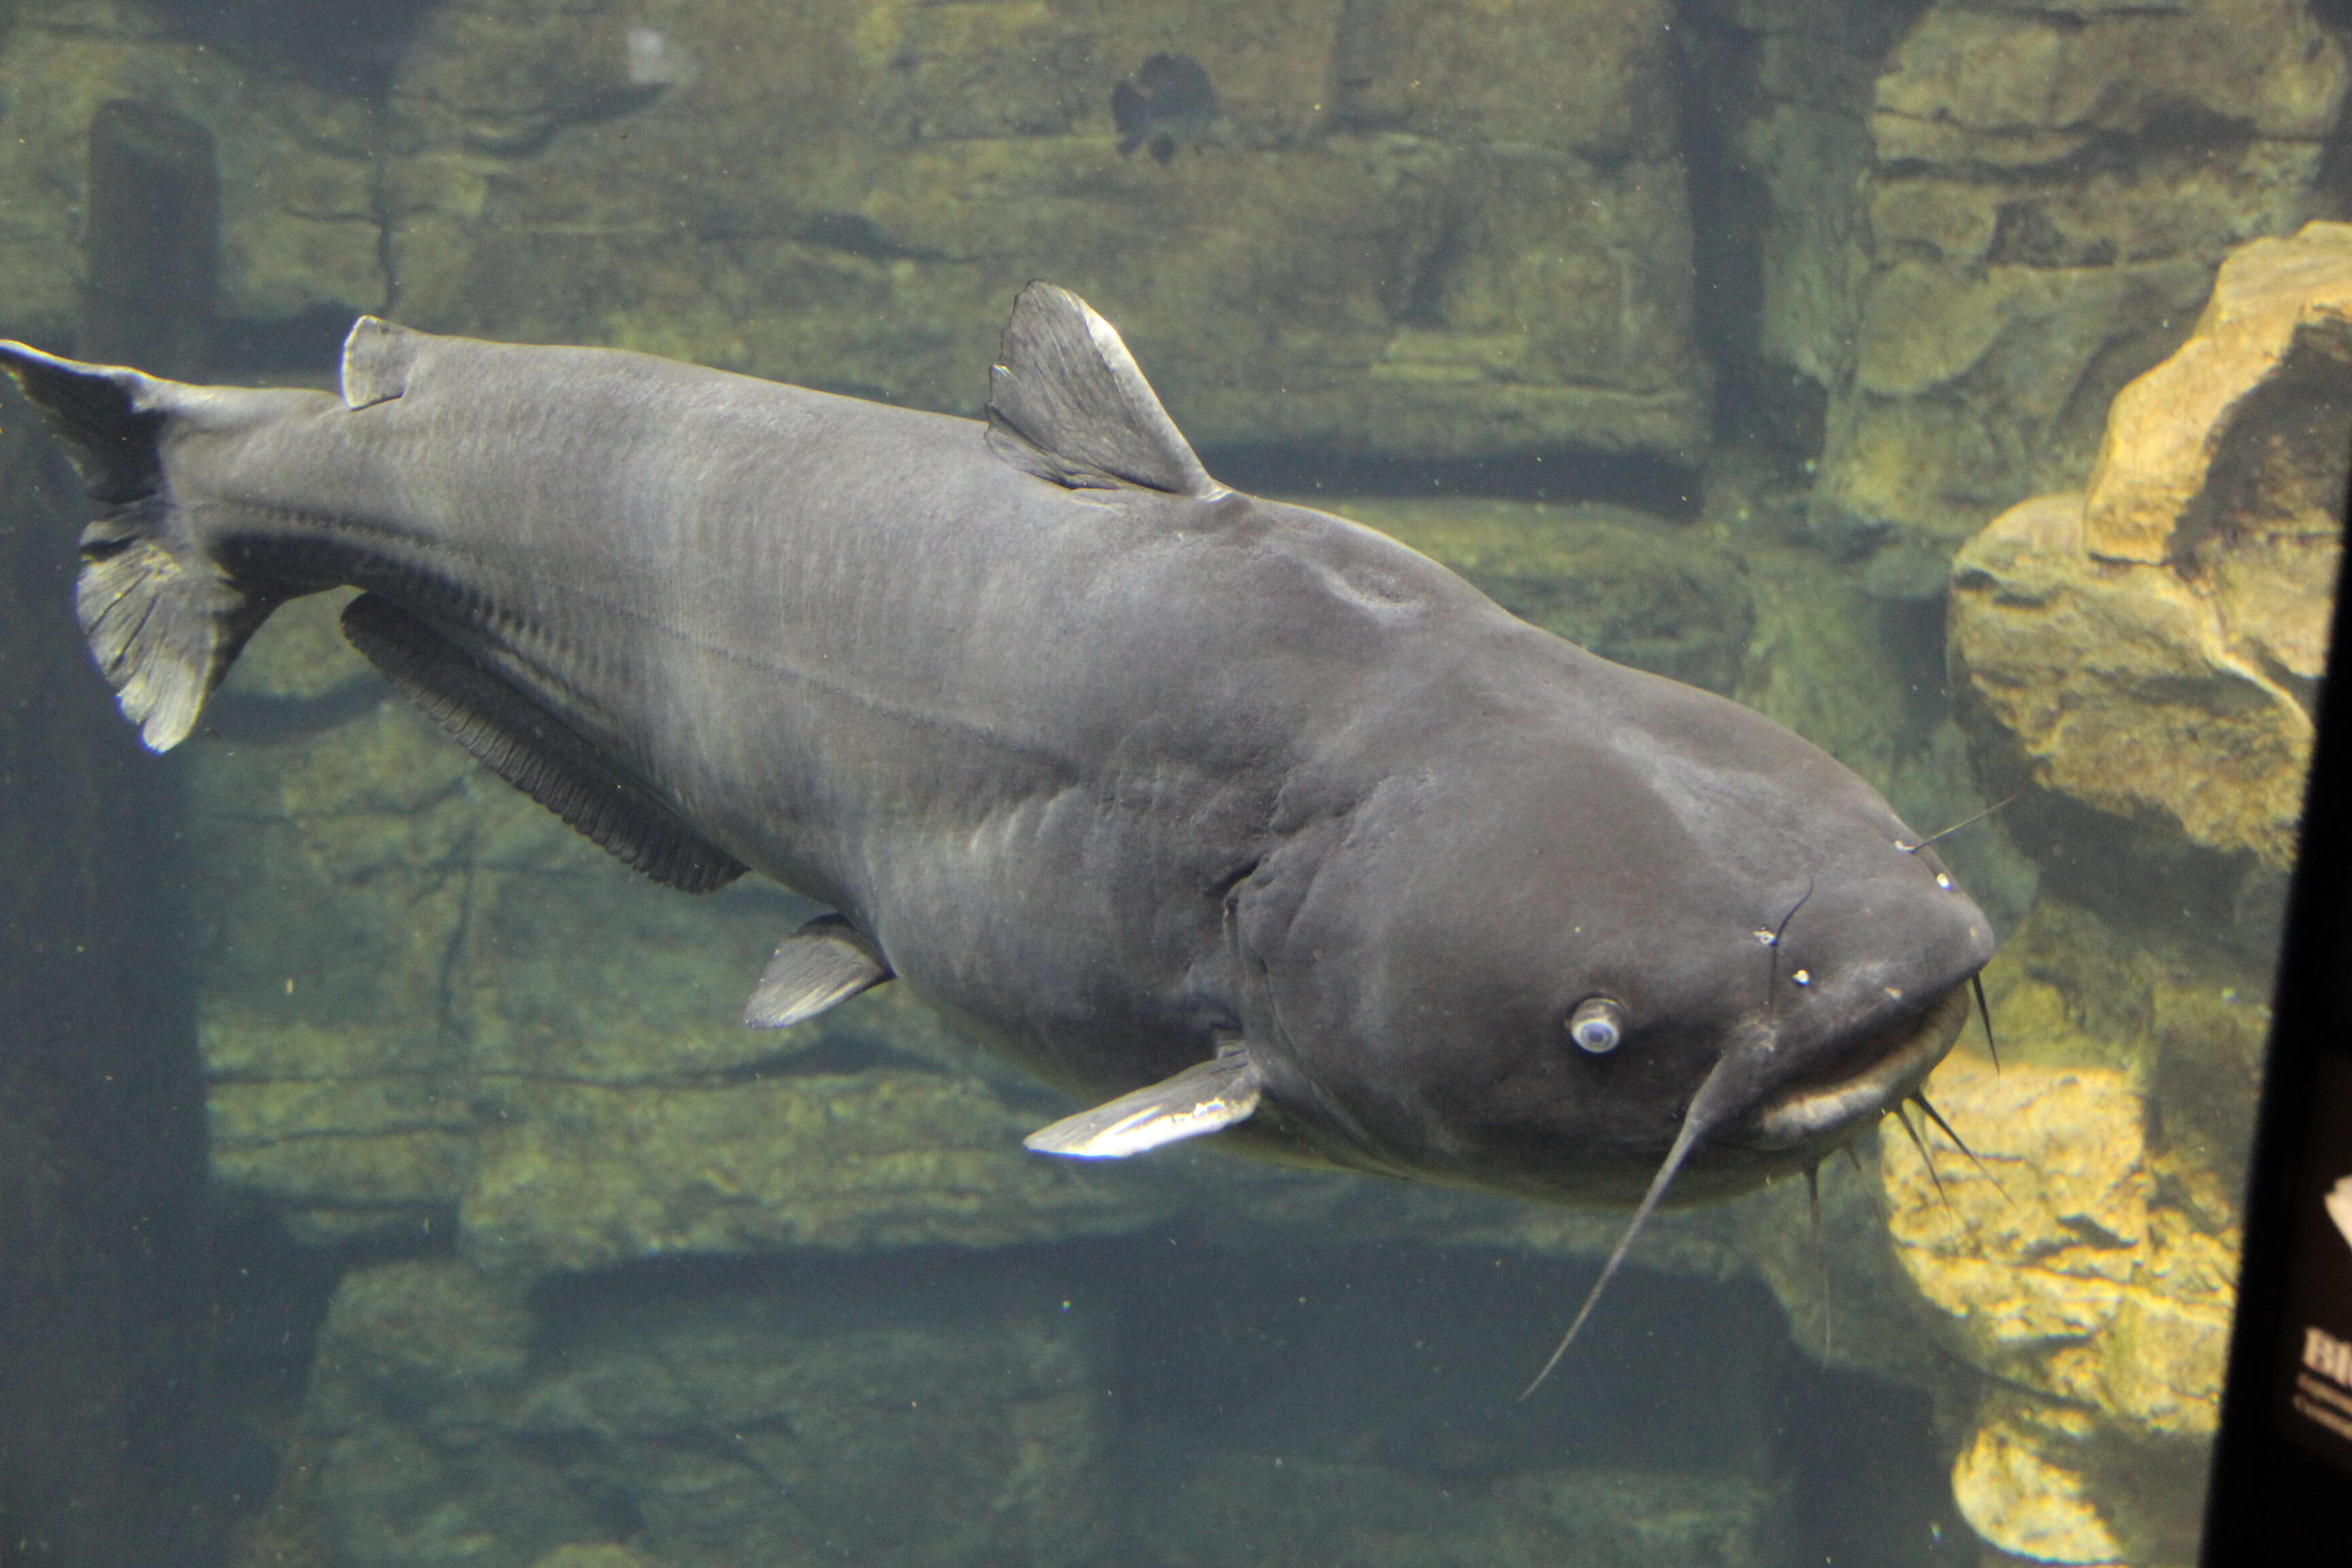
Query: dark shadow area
point(270, 1295)
point(1868, 1482)
point(107, 1450)
point(102, 1155)
point(1912, 631)
point(152, 234)
point(332, 45)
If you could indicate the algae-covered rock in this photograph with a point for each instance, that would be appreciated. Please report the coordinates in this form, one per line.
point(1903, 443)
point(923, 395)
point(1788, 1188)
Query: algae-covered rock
point(870, 1415)
point(1320, 1514)
point(598, 1554)
point(2042, 233)
point(1394, 232)
point(2090, 1277)
point(2150, 647)
point(2018, 1484)
point(577, 1175)
point(2073, 1276)
point(298, 219)
point(1389, 232)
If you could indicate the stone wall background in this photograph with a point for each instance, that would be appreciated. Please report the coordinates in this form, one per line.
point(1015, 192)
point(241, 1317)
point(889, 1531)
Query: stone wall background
point(1806, 290)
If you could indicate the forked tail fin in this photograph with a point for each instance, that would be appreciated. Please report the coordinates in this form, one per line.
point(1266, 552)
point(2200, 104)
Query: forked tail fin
point(164, 620)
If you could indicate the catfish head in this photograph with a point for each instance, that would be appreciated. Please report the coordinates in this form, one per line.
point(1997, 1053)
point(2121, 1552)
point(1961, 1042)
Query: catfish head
point(1542, 924)
point(1549, 926)
point(1632, 936)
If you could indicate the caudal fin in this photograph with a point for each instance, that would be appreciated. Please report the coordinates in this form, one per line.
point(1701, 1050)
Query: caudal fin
point(164, 620)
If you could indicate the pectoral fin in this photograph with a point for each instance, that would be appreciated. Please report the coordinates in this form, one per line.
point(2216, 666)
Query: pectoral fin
point(826, 961)
point(1207, 1096)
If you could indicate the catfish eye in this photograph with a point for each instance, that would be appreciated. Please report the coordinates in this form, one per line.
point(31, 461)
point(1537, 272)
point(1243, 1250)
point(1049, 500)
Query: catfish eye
point(1598, 1024)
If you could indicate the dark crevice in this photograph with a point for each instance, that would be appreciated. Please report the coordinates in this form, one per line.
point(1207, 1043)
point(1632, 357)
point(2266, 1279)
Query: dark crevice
point(1715, 64)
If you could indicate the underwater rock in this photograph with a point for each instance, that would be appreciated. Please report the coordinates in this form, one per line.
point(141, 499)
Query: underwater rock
point(2093, 1287)
point(2071, 1276)
point(1781, 177)
point(601, 1554)
point(2120, 687)
point(1320, 1514)
point(2042, 232)
point(2228, 460)
point(2018, 1484)
point(703, 1420)
point(2153, 646)
point(1477, 243)
point(1131, 1405)
point(298, 222)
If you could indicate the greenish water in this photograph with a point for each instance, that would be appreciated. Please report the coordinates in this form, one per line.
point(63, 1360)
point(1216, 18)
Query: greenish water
point(384, 1177)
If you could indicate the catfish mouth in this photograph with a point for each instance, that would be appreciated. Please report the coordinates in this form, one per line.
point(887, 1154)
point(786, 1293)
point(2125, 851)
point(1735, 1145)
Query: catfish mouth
point(1899, 1060)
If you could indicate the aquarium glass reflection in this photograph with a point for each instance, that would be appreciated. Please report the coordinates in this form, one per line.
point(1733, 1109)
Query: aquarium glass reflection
point(388, 1175)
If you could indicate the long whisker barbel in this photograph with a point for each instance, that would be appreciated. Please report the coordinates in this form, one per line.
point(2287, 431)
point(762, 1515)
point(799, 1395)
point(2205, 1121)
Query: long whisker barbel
point(1926, 1158)
point(1992, 1046)
point(1919, 1099)
point(1820, 1251)
point(1964, 822)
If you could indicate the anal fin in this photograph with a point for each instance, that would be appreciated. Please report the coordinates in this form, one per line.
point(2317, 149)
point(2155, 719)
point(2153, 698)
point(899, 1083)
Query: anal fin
point(534, 750)
point(820, 965)
point(1207, 1096)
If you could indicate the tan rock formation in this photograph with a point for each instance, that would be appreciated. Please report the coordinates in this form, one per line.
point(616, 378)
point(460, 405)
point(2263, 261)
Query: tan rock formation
point(2069, 1278)
point(2018, 1484)
point(2038, 237)
point(2152, 645)
point(2092, 1285)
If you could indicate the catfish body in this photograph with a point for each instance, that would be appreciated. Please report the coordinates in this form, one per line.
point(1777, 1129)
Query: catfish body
point(1237, 814)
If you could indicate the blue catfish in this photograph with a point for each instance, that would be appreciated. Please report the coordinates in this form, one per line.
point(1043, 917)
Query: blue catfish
point(1228, 816)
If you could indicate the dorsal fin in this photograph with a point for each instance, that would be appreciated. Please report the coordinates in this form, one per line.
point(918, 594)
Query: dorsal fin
point(1066, 402)
point(376, 356)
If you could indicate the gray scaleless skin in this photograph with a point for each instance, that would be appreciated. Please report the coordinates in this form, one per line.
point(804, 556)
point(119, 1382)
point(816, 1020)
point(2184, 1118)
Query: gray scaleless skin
point(1140, 778)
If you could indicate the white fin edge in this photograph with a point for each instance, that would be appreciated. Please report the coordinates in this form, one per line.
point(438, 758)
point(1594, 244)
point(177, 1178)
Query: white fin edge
point(819, 967)
point(1207, 1096)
